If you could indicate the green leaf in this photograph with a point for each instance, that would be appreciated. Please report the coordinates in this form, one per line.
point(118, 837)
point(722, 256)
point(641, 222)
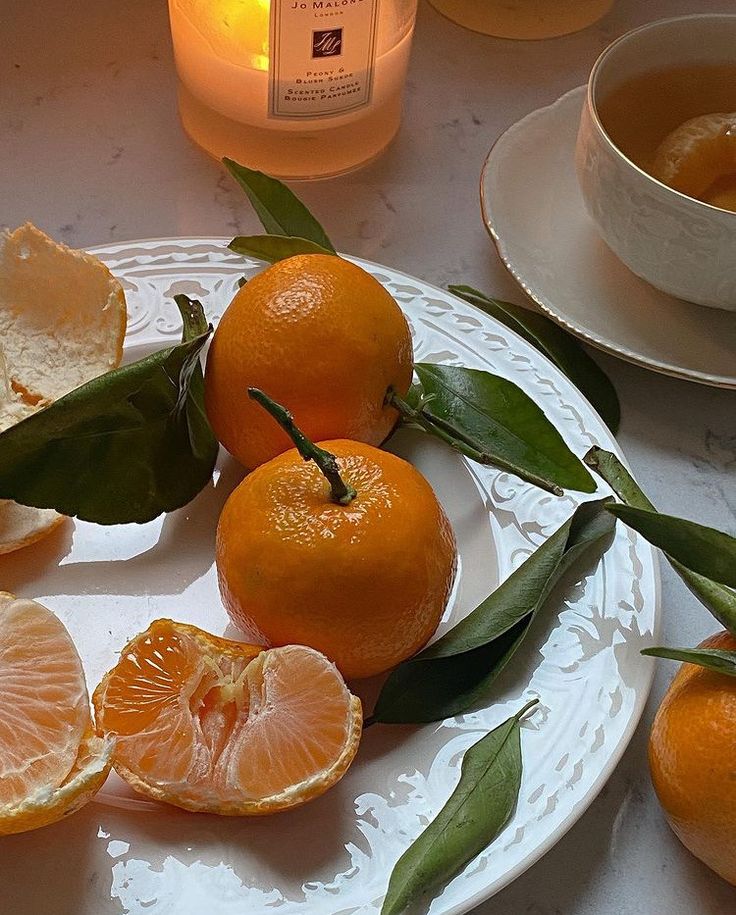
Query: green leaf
point(618, 477)
point(124, 447)
point(720, 600)
point(193, 321)
point(716, 659)
point(414, 396)
point(500, 417)
point(416, 415)
point(702, 549)
point(476, 812)
point(559, 347)
point(279, 209)
point(456, 672)
point(274, 248)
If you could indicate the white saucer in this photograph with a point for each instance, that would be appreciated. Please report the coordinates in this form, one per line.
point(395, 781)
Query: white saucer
point(533, 209)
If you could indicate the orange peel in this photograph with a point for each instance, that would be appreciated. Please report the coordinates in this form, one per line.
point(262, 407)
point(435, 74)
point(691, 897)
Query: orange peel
point(62, 323)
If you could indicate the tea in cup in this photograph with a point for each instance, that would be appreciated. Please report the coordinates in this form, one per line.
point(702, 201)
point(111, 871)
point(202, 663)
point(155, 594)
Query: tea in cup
point(656, 155)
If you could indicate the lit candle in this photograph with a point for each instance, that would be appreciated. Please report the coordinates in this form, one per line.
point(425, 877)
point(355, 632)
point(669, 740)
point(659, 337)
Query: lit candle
point(297, 88)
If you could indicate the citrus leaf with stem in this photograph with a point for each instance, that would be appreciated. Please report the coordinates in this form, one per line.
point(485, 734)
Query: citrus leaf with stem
point(497, 416)
point(414, 414)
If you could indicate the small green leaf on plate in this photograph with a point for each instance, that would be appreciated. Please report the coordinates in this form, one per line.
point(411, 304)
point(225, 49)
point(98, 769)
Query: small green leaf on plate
point(720, 600)
point(476, 812)
point(716, 659)
point(455, 673)
point(702, 549)
point(501, 418)
point(274, 248)
point(559, 346)
point(124, 447)
point(279, 209)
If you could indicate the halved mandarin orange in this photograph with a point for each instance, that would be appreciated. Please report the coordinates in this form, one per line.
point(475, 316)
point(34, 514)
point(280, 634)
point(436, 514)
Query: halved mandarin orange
point(51, 760)
point(218, 726)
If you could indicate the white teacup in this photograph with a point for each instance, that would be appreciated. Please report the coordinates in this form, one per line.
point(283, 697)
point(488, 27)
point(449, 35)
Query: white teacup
point(678, 244)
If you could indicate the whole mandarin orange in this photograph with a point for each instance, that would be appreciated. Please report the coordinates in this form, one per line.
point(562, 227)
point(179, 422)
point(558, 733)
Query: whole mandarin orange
point(325, 339)
point(692, 756)
point(365, 583)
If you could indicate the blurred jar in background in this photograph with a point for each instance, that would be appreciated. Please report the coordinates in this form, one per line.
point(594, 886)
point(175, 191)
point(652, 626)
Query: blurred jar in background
point(524, 19)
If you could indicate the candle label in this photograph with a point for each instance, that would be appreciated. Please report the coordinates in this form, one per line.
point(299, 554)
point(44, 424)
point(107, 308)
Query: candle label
point(322, 57)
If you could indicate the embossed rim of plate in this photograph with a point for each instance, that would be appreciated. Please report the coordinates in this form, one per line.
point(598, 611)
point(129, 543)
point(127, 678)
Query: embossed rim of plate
point(455, 906)
point(538, 297)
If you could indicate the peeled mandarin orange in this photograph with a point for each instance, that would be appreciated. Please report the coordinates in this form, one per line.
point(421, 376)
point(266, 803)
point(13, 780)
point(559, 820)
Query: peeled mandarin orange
point(213, 725)
point(366, 583)
point(322, 337)
point(692, 749)
point(698, 158)
point(51, 760)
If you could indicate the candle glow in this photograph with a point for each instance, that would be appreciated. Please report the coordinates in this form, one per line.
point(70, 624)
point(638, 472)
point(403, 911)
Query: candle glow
point(292, 88)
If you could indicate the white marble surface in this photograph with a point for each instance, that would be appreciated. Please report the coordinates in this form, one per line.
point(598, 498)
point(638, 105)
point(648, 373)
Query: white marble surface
point(91, 150)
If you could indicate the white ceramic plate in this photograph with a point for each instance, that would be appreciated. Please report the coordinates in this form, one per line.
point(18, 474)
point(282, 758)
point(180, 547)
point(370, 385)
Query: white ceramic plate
point(335, 854)
point(534, 210)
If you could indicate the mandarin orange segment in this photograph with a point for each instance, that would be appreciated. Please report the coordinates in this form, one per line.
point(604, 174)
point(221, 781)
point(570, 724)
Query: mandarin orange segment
point(310, 730)
point(213, 725)
point(45, 711)
point(698, 156)
point(51, 760)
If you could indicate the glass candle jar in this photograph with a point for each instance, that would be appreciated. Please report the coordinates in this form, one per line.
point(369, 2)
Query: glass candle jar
point(295, 88)
point(524, 19)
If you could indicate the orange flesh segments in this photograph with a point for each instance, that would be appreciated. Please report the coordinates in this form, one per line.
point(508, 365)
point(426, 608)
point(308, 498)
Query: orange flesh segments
point(698, 158)
point(51, 760)
point(213, 725)
point(45, 711)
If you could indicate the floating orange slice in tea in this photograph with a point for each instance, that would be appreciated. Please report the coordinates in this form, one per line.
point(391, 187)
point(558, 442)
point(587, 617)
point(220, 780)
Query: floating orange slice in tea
point(213, 725)
point(51, 760)
point(699, 159)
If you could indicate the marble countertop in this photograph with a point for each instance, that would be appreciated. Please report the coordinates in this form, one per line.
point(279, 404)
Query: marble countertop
point(91, 150)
